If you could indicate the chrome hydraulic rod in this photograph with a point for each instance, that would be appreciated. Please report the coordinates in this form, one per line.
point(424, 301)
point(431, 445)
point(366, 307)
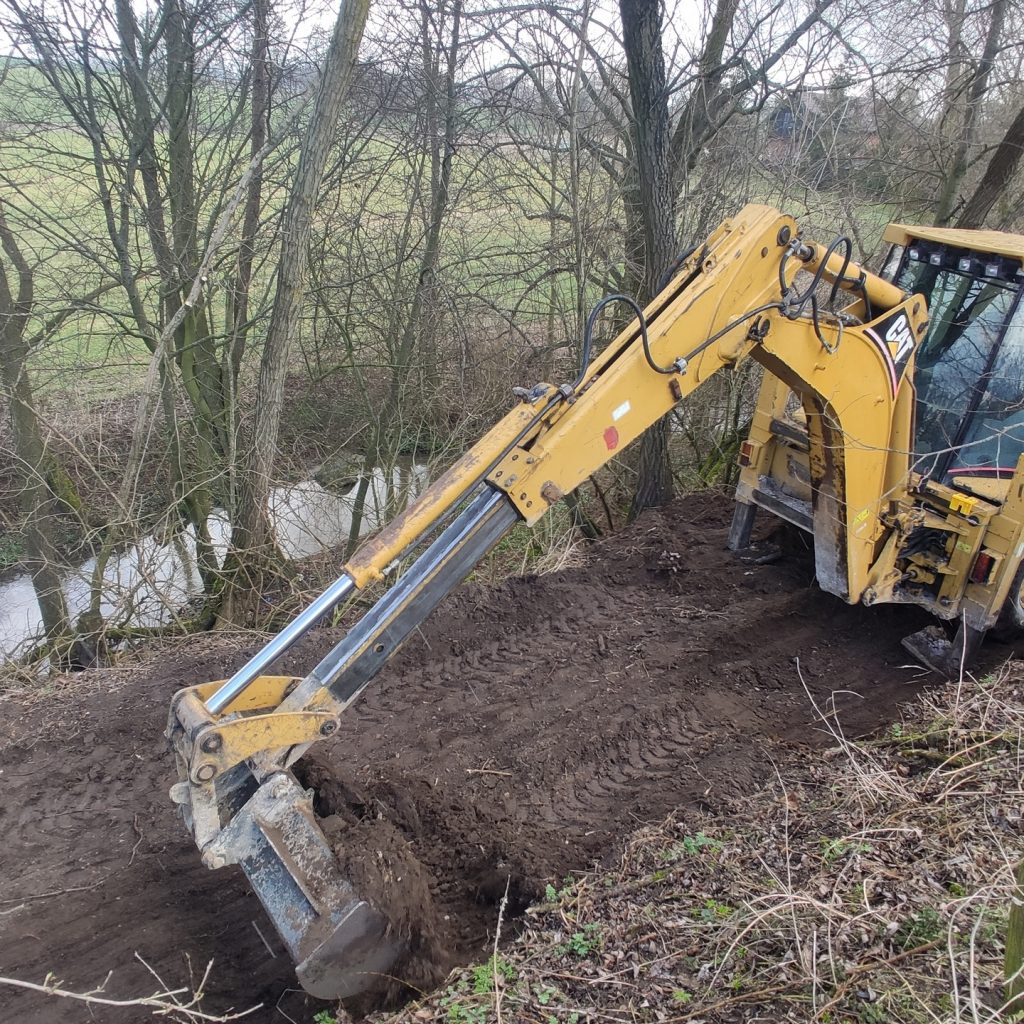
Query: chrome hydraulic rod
point(354, 661)
point(282, 642)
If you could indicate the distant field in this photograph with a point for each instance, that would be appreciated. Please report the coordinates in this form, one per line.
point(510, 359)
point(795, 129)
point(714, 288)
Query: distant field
point(49, 182)
point(499, 256)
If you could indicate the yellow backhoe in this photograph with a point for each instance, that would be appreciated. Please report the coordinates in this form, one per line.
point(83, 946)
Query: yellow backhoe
point(889, 426)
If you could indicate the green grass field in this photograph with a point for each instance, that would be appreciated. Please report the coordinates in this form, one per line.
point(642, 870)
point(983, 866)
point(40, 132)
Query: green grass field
point(506, 250)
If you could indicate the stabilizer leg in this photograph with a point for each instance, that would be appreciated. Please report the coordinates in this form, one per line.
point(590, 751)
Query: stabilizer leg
point(742, 526)
point(933, 648)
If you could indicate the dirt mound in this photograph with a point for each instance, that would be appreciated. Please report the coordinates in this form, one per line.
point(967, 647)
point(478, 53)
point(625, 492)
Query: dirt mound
point(379, 862)
point(521, 735)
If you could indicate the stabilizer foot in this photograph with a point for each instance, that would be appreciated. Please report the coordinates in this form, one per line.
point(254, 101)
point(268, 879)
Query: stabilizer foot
point(932, 648)
point(742, 526)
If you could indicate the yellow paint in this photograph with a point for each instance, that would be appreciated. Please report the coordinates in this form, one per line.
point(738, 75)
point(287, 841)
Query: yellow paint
point(376, 554)
point(963, 503)
point(263, 692)
point(1000, 243)
point(244, 736)
point(848, 446)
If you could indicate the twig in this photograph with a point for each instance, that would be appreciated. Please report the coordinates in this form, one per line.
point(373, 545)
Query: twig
point(138, 842)
point(162, 1003)
point(277, 1006)
point(745, 997)
point(263, 939)
point(494, 959)
point(856, 972)
point(55, 892)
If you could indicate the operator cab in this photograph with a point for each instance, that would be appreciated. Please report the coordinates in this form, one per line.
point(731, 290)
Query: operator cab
point(969, 377)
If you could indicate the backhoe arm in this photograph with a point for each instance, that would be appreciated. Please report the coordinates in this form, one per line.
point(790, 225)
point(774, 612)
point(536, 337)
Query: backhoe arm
point(732, 299)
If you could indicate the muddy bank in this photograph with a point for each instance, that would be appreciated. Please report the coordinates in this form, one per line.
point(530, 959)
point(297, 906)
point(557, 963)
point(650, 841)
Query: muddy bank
point(521, 735)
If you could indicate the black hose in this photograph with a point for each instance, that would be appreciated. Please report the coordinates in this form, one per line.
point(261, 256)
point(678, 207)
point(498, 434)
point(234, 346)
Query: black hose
point(588, 335)
point(588, 330)
point(678, 365)
point(795, 303)
point(840, 280)
point(722, 332)
point(792, 305)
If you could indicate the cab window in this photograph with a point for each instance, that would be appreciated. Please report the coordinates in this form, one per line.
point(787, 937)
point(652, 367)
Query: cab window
point(968, 372)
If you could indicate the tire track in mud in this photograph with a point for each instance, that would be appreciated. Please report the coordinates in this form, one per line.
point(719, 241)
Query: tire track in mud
point(523, 733)
point(545, 723)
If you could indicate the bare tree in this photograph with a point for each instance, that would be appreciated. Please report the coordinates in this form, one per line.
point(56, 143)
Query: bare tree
point(999, 173)
point(254, 550)
point(39, 503)
point(976, 88)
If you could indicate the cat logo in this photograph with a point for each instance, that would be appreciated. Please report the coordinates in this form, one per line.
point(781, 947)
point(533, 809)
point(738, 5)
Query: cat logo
point(895, 339)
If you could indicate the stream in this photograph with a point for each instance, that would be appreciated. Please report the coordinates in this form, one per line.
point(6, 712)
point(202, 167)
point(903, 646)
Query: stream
point(156, 578)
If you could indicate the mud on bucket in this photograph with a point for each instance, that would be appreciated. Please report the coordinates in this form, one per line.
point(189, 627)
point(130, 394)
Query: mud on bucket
point(342, 932)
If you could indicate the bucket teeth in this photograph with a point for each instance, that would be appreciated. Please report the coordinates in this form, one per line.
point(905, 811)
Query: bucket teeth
point(341, 943)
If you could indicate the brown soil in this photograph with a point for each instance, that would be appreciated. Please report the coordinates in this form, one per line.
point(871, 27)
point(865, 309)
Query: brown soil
point(522, 735)
point(379, 861)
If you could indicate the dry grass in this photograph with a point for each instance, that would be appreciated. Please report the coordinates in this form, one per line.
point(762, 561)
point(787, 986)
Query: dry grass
point(871, 884)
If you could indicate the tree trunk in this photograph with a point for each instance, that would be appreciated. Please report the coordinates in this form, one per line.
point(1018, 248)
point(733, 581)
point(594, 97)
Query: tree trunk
point(976, 91)
point(442, 150)
point(703, 106)
point(237, 313)
point(196, 347)
point(175, 248)
point(238, 295)
point(37, 500)
point(254, 551)
point(641, 39)
point(1000, 171)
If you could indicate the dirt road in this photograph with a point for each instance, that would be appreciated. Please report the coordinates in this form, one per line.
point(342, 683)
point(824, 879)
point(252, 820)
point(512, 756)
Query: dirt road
point(522, 734)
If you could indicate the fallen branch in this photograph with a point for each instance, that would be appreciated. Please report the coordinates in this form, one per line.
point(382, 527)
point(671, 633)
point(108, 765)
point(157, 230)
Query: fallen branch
point(54, 892)
point(162, 1004)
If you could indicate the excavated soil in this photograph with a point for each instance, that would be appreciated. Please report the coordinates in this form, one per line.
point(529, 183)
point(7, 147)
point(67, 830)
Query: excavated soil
point(522, 734)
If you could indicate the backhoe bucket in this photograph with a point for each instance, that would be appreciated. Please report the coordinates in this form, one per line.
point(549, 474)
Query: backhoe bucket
point(234, 741)
point(341, 943)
